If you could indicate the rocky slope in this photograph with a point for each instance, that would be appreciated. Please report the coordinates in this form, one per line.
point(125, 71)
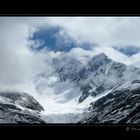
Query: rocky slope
point(19, 108)
point(121, 106)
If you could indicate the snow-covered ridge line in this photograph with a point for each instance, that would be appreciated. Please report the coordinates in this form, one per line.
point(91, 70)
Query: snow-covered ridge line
point(16, 107)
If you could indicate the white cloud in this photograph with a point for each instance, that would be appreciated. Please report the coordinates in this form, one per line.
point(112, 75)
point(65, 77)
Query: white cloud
point(18, 64)
point(113, 54)
point(104, 31)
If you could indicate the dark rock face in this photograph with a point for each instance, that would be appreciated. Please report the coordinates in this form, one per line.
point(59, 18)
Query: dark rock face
point(85, 76)
point(19, 108)
point(97, 61)
point(67, 68)
point(23, 99)
point(85, 93)
point(118, 107)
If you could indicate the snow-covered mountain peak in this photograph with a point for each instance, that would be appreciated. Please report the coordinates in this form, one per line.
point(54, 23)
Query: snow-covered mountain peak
point(100, 57)
point(100, 60)
point(72, 83)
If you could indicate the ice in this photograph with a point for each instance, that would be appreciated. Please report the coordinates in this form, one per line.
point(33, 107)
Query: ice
point(69, 112)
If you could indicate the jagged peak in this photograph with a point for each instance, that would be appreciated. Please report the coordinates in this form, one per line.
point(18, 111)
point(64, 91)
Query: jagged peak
point(99, 58)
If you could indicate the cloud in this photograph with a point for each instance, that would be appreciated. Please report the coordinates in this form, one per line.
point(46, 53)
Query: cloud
point(105, 31)
point(18, 64)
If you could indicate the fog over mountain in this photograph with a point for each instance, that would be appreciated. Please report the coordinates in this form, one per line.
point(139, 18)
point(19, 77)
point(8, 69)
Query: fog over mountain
point(69, 69)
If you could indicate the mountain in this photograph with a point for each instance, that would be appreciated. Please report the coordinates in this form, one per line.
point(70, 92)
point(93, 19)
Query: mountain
point(19, 108)
point(102, 73)
point(100, 91)
point(91, 88)
point(120, 106)
point(98, 75)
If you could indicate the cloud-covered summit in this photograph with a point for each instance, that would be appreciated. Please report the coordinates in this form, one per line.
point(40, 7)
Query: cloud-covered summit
point(76, 36)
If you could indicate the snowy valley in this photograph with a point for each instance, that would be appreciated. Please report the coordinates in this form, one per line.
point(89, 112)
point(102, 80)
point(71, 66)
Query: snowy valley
point(99, 91)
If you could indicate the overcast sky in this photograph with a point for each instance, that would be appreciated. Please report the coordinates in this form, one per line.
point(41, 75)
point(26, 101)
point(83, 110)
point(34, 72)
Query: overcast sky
point(19, 63)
